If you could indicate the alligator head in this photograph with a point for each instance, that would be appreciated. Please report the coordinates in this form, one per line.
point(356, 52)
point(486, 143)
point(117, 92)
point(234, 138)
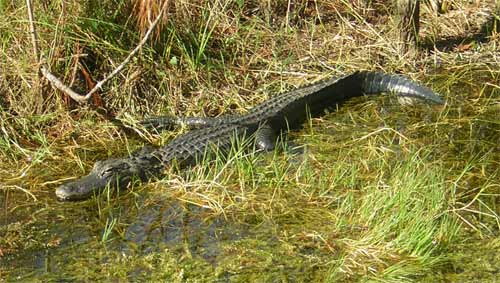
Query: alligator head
point(115, 173)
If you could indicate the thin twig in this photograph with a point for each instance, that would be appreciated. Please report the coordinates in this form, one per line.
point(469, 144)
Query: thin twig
point(34, 38)
point(57, 83)
point(15, 187)
point(129, 57)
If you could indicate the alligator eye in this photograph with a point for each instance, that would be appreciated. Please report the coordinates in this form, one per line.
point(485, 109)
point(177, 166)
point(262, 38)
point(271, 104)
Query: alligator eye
point(106, 172)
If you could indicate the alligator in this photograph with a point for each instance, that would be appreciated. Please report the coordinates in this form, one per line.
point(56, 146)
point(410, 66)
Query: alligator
point(259, 130)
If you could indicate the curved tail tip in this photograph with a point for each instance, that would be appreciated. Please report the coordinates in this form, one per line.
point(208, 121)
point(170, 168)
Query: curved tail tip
point(405, 99)
point(433, 98)
point(374, 82)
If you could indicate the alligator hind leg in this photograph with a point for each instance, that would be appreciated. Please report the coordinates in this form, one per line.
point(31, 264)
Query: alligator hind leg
point(163, 123)
point(265, 138)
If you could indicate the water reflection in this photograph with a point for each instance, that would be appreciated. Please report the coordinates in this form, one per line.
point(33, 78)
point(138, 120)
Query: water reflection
point(182, 227)
point(69, 232)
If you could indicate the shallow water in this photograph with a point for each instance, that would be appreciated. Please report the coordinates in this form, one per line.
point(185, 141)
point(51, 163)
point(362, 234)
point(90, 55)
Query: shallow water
point(69, 236)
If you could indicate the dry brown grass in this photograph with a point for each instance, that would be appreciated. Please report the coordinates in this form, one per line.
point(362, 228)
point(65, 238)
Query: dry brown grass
point(145, 11)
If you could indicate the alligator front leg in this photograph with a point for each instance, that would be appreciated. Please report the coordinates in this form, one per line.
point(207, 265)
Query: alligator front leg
point(163, 123)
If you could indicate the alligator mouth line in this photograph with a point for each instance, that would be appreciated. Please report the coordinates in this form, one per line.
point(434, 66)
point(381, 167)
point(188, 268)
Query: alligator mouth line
point(81, 189)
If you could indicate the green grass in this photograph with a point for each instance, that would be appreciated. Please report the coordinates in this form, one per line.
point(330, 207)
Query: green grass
point(381, 192)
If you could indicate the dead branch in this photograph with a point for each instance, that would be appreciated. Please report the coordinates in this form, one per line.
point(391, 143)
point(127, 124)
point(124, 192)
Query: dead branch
point(34, 38)
point(57, 83)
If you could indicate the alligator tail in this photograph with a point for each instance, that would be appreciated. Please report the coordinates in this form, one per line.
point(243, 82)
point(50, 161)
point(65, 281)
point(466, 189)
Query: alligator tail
point(377, 82)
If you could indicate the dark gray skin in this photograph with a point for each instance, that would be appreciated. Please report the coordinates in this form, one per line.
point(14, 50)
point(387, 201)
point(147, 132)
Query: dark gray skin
point(290, 109)
point(112, 172)
point(185, 150)
point(260, 126)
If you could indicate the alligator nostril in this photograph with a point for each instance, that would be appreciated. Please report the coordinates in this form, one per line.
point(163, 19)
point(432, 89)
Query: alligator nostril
point(61, 192)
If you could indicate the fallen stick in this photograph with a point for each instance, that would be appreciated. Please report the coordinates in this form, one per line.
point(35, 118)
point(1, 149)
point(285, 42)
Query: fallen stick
point(57, 83)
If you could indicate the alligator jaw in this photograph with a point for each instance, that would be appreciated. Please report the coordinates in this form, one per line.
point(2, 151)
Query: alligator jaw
point(81, 189)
